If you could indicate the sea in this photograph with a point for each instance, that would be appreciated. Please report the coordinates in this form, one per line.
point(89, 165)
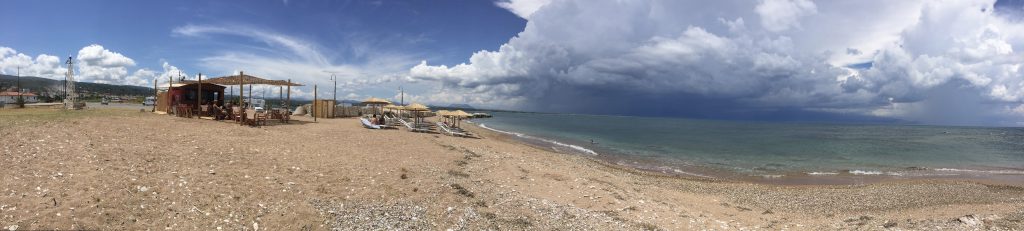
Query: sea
point(776, 152)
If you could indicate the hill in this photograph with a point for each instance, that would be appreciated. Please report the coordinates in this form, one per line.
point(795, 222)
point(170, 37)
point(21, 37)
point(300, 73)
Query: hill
point(44, 86)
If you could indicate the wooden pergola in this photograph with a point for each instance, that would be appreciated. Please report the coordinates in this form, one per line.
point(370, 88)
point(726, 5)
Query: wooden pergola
point(241, 79)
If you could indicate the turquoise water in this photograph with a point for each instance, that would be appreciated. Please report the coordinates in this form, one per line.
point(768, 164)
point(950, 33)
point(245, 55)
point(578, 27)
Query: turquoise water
point(773, 150)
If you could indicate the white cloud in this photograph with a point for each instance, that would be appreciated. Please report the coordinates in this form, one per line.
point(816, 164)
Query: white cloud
point(301, 48)
point(94, 63)
point(522, 8)
point(141, 77)
point(172, 72)
point(99, 65)
point(43, 65)
point(701, 58)
point(779, 15)
point(96, 55)
point(297, 59)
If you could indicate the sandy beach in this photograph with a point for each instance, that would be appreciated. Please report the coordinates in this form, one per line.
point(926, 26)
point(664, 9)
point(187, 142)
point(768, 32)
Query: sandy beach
point(117, 169)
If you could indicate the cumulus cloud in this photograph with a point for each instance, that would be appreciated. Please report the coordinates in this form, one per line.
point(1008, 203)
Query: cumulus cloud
point(522, 8)
point(93, 63)
point(43, 65)
point(704, 60)
point(100, 65)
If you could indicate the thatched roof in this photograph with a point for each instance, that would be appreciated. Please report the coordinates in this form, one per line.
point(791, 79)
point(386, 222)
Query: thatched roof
point(373, 100)
point(417, 107)
point(247, 79)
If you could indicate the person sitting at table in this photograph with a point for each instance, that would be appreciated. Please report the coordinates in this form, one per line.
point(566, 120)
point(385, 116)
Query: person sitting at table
point(210, 110)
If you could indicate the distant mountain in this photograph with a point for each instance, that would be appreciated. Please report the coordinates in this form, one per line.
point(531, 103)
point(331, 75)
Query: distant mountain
point(44, 86)
point(460, 106)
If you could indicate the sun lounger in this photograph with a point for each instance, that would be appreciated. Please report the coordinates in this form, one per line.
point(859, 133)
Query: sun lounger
point(413, 128)
point(367, 124)
point(392, 121)
point(448, 131)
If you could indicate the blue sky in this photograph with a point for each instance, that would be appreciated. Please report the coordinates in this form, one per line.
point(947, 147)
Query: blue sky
point(916, 61)
point(443, 30)
point(353, 33)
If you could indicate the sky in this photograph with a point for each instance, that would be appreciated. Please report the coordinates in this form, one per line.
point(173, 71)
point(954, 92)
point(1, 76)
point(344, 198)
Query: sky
point(949, 62)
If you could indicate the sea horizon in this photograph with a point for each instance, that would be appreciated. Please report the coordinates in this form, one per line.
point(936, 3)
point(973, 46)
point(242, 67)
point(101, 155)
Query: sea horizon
point(662, 156)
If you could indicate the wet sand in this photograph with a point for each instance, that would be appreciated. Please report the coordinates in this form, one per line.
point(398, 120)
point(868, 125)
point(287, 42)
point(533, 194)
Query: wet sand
point(122, 169)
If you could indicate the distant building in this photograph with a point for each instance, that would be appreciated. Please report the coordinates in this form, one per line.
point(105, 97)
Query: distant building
point(11, 97)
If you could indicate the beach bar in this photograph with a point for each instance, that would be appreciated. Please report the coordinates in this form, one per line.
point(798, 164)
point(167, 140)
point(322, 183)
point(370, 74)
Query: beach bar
point(188, 94)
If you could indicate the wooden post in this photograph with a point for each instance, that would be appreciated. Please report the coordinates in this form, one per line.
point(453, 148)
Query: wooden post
point(240, 87)
point(199, 96)
point(280, 96)
point(288, 104)
point(314, 103)
point(250, 94)
point(170, 99)
point(156, 94)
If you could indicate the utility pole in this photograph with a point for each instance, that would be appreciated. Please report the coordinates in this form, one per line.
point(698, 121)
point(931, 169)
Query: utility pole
point(21, 101)
point(156, 93)
point(334, 77)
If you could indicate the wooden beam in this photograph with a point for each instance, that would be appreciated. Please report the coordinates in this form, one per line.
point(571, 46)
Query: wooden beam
point(199, 96)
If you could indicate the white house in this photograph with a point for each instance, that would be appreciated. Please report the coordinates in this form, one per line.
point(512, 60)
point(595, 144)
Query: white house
point(11, 97)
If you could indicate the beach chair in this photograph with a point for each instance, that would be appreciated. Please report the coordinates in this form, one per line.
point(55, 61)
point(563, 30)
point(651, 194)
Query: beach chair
point(204, 110)
point(392, 121)
point(284, 114)
point(262, 117)
point(236, 115)
point(412, 128)
point(449, 131)
point(256, 118)
point(367, 124)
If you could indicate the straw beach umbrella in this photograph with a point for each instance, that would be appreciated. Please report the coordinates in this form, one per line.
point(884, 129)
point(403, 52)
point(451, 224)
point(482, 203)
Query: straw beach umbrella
point(460, 114)
point(392, 108)
point(373, 102)
point(444, 114)
point(416, 109)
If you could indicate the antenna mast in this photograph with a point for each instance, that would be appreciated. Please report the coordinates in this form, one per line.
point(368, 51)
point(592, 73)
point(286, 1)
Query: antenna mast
point(70, 98)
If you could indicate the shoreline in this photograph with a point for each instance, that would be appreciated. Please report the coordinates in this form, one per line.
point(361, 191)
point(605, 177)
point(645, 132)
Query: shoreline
point(1012, 177)
point(97, 169)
